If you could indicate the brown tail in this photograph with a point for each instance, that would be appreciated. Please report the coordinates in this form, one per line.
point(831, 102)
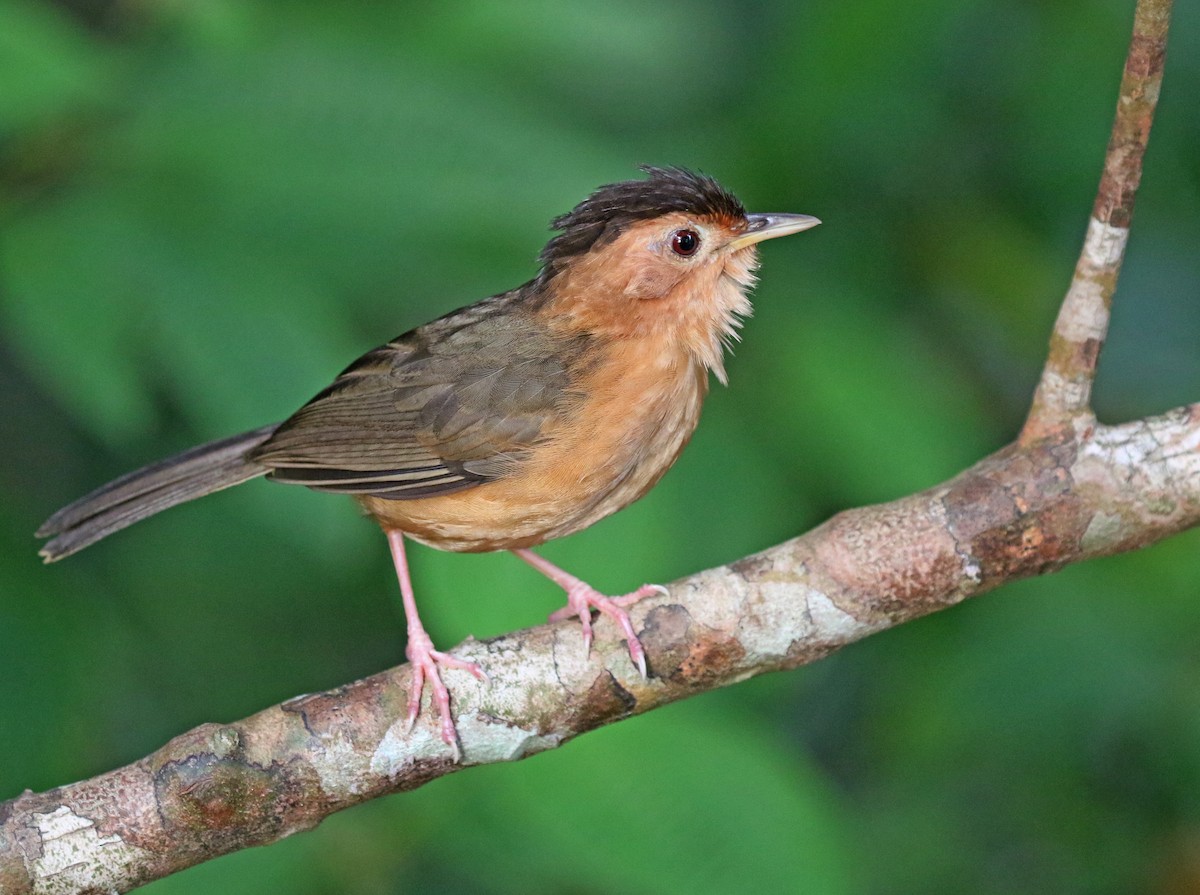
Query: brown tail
point(152, 489)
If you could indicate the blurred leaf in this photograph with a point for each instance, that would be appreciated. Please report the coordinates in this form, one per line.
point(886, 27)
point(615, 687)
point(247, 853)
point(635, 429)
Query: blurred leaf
point(46, 66)
point(866, 405)
point(79, 299)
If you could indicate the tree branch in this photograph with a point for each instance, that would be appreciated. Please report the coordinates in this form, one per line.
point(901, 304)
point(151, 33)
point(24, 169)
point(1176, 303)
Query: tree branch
point(1064, 394)
point(1023, 511)
point(1067, 490)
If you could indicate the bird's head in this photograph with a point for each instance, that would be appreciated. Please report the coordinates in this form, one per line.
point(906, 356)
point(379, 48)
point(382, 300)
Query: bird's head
point(670, 257)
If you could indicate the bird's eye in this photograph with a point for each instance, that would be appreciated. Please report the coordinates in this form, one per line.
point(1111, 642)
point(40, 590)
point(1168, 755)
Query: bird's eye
point(685, 242)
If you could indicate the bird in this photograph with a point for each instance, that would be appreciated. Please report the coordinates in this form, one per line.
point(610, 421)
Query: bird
point(522, 418)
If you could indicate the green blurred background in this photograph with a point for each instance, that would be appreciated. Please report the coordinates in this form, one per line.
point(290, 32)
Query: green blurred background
point(208, 208)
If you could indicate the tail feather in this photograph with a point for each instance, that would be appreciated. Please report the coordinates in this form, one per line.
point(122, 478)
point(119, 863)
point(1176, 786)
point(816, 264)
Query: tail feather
point(152, 489)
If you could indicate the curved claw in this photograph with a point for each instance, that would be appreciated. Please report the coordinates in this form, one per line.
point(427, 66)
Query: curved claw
point(425, 661)
point(583, 598)
point(646, 590)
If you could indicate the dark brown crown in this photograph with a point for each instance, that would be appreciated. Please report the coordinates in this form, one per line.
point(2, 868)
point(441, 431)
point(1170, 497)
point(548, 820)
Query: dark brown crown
point(604, 214)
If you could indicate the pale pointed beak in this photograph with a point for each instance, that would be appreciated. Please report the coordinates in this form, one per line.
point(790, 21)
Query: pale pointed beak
point(769, 226)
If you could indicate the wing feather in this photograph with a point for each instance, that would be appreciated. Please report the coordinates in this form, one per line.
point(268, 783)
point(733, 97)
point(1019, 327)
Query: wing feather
point(447, 406)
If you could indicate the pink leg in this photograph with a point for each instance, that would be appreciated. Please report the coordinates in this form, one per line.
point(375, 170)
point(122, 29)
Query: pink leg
point(424, 658)
point(582, 598)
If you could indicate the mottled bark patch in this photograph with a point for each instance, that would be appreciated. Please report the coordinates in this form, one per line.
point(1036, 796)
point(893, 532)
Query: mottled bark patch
point(605, 701)
point(418, 773)
point(805, 652)
point(1015, 514)
point(205, 784)
point(217, 798)
point(752, 567)
point(665, 639)
point(686, 652)
point(886, 559)
point(12, 879)
point(353, 711)
point(710, 659)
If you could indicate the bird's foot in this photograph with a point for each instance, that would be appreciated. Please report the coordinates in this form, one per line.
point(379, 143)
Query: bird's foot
point(582, 598)
point(425, 661)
